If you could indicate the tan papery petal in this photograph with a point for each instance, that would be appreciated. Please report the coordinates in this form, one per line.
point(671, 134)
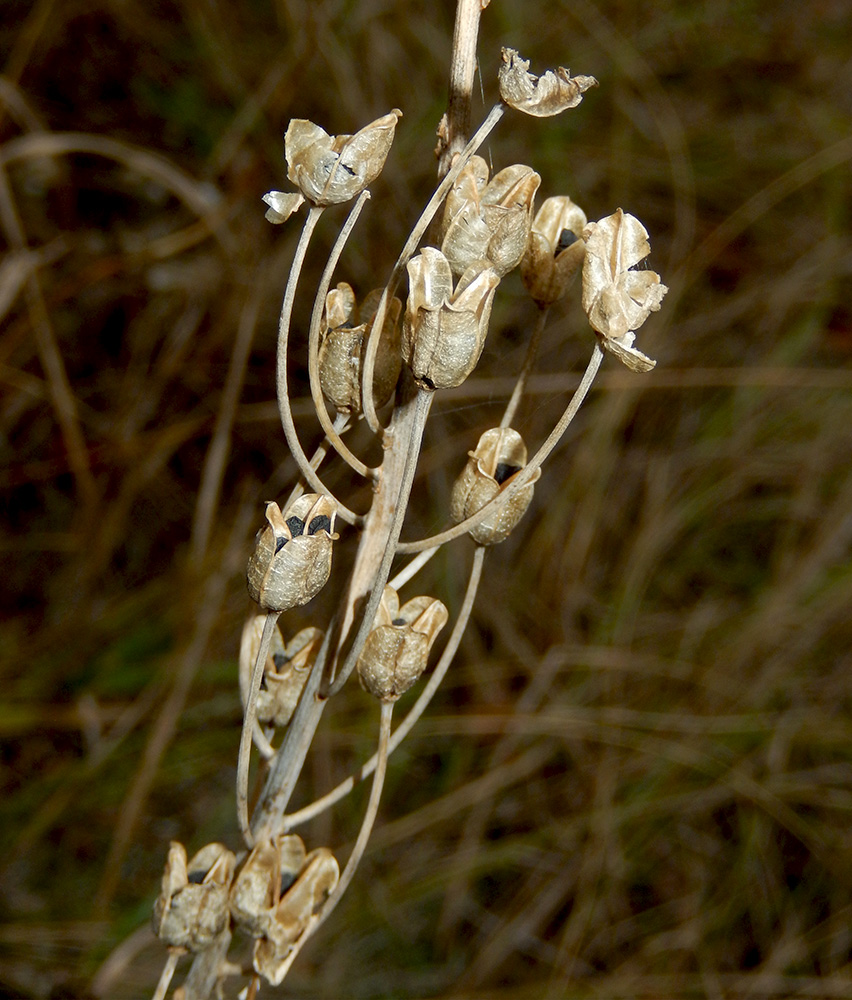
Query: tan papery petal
point(539, 96)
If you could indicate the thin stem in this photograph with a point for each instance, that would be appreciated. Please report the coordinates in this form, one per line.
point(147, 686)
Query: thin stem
point(249, 720)
point(369, 815)
point(412, 568)
point(423, 404)
point(524, 476)
point(462, 70)
point(529, 361)
point(367, 577)
point(420, 227)
point(417, 709)
point(167, 973)
point(287, 764)
point(341, 424)
point(360, 844)
point(281, 370)
point(313, 344)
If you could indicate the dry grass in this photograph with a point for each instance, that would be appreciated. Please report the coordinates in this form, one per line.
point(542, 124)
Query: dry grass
point(637, 781)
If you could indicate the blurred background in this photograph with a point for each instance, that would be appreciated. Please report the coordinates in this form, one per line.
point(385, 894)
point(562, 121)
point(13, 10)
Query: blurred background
point(637, 779)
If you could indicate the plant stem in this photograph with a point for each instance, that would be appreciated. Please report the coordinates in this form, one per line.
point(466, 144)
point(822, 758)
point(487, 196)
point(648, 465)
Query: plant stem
point(416, 710)
point(282, 390)
point(462, 70)
point(422, 405)
point(167, 973)
point(524, 476)
point(249, 719)
point(313, 344)
point(529, 361)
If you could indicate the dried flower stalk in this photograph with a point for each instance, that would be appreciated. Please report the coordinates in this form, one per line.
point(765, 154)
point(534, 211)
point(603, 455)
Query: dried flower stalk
point(359, 356)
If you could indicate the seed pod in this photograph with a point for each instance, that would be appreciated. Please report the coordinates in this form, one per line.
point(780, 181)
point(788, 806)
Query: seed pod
point(268, 873)
point(313, 885)
point(499, 456)
point(443, 332)
point(192, 908)
point(329, 169)
point(397, 649)
point(555, 251)
point(286, 670)
point(542, 96)
point(489, 221)
point(292, 556)
point(343, 340)
point(616, 298)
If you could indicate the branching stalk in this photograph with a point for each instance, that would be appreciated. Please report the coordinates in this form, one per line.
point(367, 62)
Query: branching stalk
point(524, 476)
point(417, 709)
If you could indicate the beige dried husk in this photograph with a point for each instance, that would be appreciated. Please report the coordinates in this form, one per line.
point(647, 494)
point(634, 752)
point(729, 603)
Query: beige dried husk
point(282, 204)
point(292, 555)
point(616, 298)
point(542, 96)
point(329, 169)
point(499, 456)
point(278, 891)
point(192, 908)
point(397, 649)
point(343, 341)
point(286, 670)
point(488, 220)
point(444, 330)
point(550, 264)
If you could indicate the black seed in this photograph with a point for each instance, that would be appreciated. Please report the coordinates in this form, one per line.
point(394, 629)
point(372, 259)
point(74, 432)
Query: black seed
point(296, 525)
point(280, 543)
point(287, 881)
point(504, 470)
point(322, 522)
point(279, 659)
point(196, 877)
point(399, 621)
point(566, 238)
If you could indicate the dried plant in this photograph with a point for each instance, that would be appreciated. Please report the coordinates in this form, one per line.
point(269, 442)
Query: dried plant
point(382, 363)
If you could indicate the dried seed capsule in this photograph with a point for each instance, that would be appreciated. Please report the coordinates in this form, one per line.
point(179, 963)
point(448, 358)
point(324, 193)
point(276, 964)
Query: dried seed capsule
point(616, 298)
point(397, 649)
point(541, 96)
point(329, 169)
point(316, 880)
point(444, 331)
point(292, 556)
point(268, 873)
point(286, 670)
point(192, 908)
point(499, 456)
point(489, 221)
point(555, 251)
point(343, 339)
